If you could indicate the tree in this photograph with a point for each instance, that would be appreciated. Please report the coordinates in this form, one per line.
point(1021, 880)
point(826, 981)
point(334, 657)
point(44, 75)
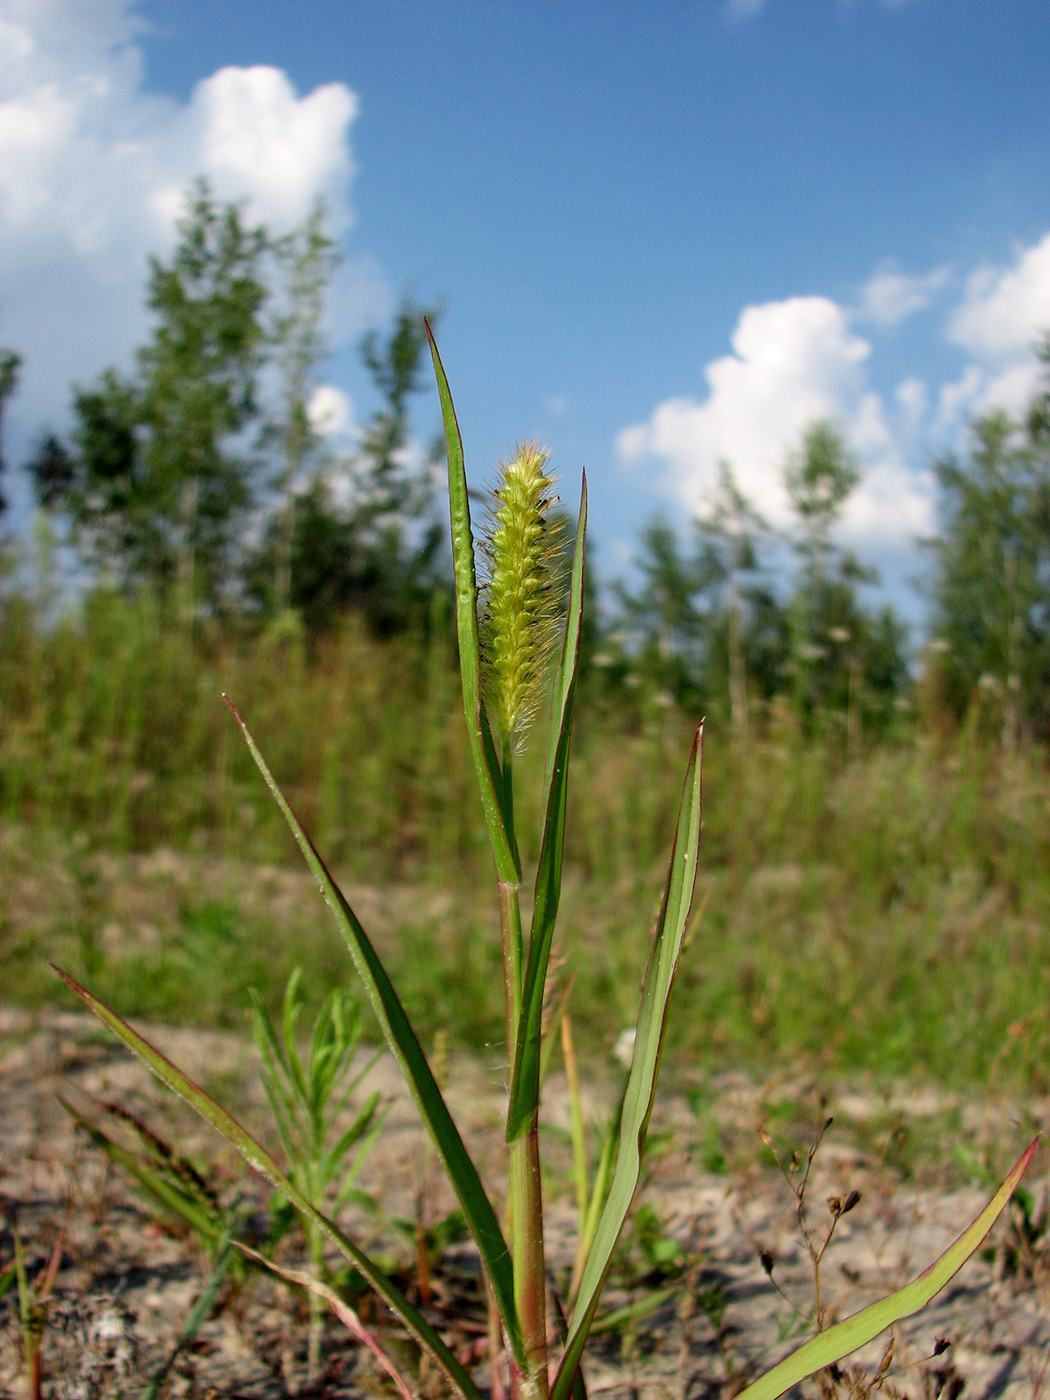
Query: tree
point(360, 537)
point(10, 364)
point(705, 621)
point(844, 660)
point(306, 260)
point(666, 614)
point(820, 475)
point(52, 471)
point(991, 587)
point(161, 476)
point(730, 530)
point(388, 490)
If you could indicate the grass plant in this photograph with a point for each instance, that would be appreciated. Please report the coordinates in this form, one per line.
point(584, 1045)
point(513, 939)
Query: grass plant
point(34, 1297)
point(890, 915)
point(307, 1097)
point(502, 648)
point(326, 1148)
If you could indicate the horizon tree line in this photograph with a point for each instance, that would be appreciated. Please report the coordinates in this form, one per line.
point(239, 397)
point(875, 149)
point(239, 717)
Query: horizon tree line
point(202, 475)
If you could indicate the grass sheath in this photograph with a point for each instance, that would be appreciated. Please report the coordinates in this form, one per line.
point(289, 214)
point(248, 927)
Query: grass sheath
point(507, 636)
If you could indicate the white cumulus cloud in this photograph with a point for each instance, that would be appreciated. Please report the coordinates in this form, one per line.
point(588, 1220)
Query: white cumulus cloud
point(1004, 314)
point(93, 172)
point(1005, 309)
point(793, 361)
point(258, 138)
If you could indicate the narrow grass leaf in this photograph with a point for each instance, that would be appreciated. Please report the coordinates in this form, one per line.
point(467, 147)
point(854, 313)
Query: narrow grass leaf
point(405, 1046)
point(598, 1188)
point(365, 1126)
point(645, 1064)
point(282, 1102)
point(260, 1160)
point(345, 1313)
point(161, 1189)
point(289, 1020)
point(620, 1319)
point(525, 1078)
point(853, 1332)
point(482, 748)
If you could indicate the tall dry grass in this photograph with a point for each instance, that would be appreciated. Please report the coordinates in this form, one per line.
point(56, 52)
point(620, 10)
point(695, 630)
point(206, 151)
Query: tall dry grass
point(889, 912)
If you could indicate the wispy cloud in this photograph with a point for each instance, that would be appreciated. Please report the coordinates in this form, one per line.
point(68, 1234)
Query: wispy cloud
point(739, 9)
point(890, 295)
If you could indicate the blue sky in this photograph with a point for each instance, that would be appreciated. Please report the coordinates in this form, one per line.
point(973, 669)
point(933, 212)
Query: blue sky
point(665, 232)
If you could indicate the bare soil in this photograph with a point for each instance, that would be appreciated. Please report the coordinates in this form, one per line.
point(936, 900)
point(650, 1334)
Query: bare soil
point(126, 1280)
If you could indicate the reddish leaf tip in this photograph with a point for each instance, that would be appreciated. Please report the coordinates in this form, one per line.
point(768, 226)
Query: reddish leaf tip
point(72, 984)
point(1026, 1156)
point(232, 708)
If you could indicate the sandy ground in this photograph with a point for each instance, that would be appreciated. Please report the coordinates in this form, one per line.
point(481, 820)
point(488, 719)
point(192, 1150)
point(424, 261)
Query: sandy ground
point(126, 1282)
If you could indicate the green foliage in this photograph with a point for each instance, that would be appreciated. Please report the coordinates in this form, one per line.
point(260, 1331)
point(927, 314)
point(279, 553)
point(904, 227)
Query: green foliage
point(845, 661)
point(992, 575)
point(10, 364)
point(187, 477)
point(53, 471)
point(886, 912)
point(172, 1186)
point(668, 613)
point(359, 536)
point(307, 1098)
point(160, 479)
point(326, 1153)
point(708, 629)
point(729, 533)
point(34, 1301)
point(306, 259)
point(516, 1276)
point(820, 477)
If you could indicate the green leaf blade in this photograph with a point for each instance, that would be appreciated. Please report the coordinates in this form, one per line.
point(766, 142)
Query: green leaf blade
point(482, 749)
point(645, 1064)
point(406, 1049)
point(260, 1161)
point(856, 1331)
point(155, 1184)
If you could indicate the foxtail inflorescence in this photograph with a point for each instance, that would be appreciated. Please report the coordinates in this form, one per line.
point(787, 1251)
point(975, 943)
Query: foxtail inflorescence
point(520, 599)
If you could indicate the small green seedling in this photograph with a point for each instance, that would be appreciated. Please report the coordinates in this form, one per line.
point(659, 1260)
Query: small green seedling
point(308, 1099)
point(34, 1298)
point(507, 629)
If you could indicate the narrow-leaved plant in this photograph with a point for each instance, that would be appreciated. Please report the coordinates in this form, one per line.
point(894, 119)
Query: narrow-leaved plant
point(307, 1097)
point(505, 635)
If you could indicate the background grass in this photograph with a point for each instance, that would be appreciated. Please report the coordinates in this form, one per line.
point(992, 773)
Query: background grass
point(886, 913)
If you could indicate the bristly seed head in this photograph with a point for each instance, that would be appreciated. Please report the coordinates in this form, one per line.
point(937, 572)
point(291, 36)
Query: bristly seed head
point(519, 597)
